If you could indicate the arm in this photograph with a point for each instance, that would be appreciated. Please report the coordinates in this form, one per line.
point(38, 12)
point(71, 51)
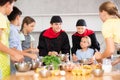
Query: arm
point(33, 56)
point(42, 46)
point(95, 43)
point(110, 48)
point(66, 44)
point(116, 61)
point(3, 48)
point(74, 46)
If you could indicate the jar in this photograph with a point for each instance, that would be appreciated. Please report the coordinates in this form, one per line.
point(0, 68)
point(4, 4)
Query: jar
point(106, 65)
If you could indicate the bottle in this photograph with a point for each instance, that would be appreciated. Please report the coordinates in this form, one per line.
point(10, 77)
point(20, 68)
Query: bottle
point(106, 65)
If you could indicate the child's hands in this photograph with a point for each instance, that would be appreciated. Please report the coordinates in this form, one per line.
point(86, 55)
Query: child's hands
point(17, 57)
point(98, 56)
point(34, 50)
point(74, 57)
point(32, 55)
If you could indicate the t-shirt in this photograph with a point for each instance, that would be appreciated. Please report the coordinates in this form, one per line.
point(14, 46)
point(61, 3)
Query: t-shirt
point(84, 54)
point(111, 29)
point(4, 57)
point(14, 39)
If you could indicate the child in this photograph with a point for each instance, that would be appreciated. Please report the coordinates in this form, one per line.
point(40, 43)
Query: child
point(85, 52)
point(28, 25)
point(14, 37)
point(53, 39)
point(82, 31)
point(5, 9)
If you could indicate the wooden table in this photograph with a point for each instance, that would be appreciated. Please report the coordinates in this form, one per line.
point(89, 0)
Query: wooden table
point(31, 75)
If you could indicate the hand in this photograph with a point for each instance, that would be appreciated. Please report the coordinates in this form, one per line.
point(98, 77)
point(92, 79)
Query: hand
point(53, 53)
point(91, 60)
point(116, 61)
point(98, 56)
point(16, 57)
point(34, 50)
point(74, 57)
point(32, 55)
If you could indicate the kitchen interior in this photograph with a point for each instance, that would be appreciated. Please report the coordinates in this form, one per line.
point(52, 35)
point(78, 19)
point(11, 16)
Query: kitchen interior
point(70, 11)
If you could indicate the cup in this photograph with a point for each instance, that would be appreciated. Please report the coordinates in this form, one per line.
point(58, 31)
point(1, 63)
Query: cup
point(106, 65)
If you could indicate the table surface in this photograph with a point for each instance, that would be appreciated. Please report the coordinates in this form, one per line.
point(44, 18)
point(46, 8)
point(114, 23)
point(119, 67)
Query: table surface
point(31, 75)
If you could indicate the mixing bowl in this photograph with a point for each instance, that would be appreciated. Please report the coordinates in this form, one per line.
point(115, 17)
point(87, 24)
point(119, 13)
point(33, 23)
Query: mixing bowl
point(23, 66)
point(45, 73)
point(97, 72)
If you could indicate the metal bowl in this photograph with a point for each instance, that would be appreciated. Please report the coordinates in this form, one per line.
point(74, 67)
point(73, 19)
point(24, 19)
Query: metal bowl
point(35, 64)
point(85, 61)
point(23, 66)
point(98, 72)
point(45, 73)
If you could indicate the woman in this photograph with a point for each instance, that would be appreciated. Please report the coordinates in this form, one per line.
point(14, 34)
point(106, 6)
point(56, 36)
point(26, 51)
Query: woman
point(108, 13)
point(82, 31)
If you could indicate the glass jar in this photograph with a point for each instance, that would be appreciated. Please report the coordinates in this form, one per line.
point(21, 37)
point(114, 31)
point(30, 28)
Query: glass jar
point(106, 65)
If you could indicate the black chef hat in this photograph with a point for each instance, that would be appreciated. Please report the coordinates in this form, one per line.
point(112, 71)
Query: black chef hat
point(56, 19)
point(81, 22)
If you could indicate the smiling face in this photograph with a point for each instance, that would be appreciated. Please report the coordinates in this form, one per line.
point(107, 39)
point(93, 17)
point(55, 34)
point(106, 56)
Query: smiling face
point(56, 27)
point(85, 42)
point(81, 29)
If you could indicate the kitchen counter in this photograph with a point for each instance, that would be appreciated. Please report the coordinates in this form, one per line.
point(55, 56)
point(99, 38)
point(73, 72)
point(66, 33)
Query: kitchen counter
point(31, 75)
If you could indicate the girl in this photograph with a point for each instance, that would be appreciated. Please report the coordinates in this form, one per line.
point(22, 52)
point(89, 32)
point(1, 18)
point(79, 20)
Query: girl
point(108, 13)
point(85, 51)
point(27, 27)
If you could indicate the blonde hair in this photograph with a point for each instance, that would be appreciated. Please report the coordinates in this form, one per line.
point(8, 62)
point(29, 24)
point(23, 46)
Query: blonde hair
point(110, 8)
point(88, 40)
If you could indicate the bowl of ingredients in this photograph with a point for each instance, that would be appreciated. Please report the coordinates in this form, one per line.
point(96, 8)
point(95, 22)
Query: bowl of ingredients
point(44, 73)
point(97, 72)
point(23, 66)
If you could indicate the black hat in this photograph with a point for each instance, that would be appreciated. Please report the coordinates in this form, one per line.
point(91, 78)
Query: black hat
point(81, 22)
point(56, 19)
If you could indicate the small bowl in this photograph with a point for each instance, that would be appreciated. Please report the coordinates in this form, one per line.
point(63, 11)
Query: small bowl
point(85, 61)
point(45, 73)
point(23, 67)
point(35, 64)
point(98, 72)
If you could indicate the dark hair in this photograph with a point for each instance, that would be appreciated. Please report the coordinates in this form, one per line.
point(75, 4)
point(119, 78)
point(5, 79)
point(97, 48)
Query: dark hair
point(14, 14)
point(56, 19)
point(3, 2)
point(81, 22)
point(27, 20)
point(110, 8)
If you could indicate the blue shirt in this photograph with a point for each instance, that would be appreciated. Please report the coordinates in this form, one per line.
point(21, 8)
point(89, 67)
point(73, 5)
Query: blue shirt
point(14, 38)
point(84, 54)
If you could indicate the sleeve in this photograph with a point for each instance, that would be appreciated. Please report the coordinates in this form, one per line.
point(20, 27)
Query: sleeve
point(74, 46)
point(42, 45)
point(66, 44)
point(22, 37)
point(32, 38)
point(12, 39)
point(95, 44)
point(107, 29)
